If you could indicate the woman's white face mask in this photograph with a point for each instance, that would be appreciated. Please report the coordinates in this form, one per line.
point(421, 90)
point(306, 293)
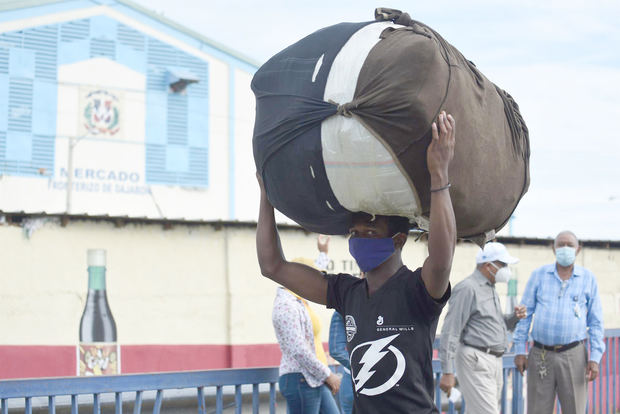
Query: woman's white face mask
point(503, 274)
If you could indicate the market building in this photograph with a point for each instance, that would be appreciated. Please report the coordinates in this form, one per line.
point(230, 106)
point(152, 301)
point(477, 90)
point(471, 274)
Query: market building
point(124, 131)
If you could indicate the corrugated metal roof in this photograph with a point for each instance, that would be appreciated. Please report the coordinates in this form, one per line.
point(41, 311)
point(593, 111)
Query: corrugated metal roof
point(7, 5)
point(11, 217)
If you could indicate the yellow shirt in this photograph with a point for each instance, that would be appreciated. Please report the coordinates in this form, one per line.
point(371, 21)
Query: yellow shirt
point(316, 330)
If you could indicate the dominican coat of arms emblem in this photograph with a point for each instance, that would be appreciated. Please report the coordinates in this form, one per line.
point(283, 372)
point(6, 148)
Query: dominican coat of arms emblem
point(101, 113)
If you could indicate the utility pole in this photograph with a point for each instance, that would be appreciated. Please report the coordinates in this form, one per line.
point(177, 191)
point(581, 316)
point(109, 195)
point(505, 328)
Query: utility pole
point(71, 146)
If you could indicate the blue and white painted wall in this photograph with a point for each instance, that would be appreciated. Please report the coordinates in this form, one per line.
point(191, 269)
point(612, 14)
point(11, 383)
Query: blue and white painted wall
point(89, 122)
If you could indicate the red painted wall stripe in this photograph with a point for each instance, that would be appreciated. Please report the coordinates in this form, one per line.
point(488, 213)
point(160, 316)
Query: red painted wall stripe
point(260, 355)
point(158, 358)
point(28, 361)
point(31, 361)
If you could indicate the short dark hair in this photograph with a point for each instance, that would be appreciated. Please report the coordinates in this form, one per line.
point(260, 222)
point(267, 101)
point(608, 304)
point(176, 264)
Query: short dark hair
point(396, 224)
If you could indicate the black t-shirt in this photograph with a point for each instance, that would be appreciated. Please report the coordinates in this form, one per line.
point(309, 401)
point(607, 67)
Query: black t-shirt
point(390, 341)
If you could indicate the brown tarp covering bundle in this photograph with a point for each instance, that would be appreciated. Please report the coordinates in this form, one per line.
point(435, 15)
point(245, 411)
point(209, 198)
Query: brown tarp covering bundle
point(408, 77)
point(399, 101)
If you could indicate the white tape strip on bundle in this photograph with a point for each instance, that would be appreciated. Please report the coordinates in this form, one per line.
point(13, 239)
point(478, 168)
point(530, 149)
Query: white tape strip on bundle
point(362, 173)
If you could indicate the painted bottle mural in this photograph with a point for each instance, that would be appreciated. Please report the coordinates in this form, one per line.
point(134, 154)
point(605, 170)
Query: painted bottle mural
point(98, 351)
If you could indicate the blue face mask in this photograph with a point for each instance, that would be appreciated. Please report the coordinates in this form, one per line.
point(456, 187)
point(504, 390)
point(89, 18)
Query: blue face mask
point(565, 256)
point(370, 253)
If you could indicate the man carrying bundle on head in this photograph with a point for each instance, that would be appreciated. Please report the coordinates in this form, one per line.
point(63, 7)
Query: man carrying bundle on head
point(391, 315)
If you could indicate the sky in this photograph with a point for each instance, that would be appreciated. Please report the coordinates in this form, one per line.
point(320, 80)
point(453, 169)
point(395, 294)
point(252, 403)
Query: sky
point(560, 60)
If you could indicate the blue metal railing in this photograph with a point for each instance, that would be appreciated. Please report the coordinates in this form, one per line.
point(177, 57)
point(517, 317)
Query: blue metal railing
point(198, 380)
point(139, 383)
point(603, 393)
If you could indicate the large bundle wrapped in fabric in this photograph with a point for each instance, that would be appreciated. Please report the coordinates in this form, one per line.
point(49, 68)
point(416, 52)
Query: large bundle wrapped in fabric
point(343, 120)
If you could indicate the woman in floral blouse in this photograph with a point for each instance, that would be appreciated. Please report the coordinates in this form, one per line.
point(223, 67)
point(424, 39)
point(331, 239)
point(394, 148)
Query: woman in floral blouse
point(305, 381)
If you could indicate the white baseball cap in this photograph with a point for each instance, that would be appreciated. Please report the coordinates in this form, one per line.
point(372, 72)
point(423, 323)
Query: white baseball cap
point(493, 252)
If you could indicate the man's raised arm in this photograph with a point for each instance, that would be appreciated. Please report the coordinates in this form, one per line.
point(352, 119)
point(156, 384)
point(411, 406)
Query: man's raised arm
point(304, 280)
point(442, 227)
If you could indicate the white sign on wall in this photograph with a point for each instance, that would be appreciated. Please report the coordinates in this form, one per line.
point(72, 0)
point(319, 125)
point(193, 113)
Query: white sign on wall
point(101, 160)
point(101, 112)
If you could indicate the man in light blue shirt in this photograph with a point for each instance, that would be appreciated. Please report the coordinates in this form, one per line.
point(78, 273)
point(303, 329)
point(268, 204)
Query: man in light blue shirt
point(565, 303)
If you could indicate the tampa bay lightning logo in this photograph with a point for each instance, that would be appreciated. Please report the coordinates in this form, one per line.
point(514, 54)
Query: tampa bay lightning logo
point(371, 358)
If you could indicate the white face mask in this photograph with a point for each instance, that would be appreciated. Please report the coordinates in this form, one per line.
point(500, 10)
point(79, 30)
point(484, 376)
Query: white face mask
point(503, 274)
point(565, 256)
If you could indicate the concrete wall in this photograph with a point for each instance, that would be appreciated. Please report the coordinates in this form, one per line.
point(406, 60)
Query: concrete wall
point(182, 287)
